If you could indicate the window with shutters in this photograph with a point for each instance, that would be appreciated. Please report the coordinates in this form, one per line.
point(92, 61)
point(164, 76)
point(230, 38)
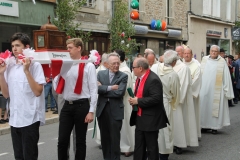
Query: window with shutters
point(90, 3)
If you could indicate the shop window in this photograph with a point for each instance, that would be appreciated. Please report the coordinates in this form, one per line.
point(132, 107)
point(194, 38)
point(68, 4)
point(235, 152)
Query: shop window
point(222, 43)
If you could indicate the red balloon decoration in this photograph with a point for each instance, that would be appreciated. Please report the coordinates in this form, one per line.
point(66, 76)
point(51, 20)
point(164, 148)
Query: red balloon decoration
point(164, 25)
point(134, 14)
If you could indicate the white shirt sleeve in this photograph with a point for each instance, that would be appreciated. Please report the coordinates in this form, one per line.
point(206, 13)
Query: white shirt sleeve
point(93, 87)
point(38, 74)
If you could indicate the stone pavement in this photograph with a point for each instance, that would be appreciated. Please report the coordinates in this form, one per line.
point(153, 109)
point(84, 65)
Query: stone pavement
point(49, 117)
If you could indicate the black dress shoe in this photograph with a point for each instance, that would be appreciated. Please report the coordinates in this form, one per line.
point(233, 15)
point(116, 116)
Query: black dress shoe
point(230, 105)
point(178, 150)
point(55, 112)
point(204, 130)
point(214, 131)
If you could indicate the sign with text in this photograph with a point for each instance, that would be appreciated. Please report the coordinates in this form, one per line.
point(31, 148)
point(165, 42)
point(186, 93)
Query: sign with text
point(236, 33)
point(9, 8)
point(214, 33)
point(44, 57)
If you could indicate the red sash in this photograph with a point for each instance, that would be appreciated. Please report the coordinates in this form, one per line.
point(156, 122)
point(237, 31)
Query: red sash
point(140, 89)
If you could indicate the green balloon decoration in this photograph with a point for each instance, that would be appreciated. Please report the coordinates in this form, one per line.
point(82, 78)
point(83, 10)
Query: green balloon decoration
point(134, 4)
point(159, 25)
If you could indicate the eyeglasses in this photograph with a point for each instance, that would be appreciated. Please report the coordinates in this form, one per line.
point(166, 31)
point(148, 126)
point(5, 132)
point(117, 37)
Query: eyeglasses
point(134, 67)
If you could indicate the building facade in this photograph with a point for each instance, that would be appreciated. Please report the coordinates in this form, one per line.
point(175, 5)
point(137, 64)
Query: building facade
point(210, 22)
point(22, 16)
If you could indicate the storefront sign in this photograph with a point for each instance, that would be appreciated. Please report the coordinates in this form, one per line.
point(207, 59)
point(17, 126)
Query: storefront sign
point(9, 8)
point(236, 33)
point(141, 29)
point(174, 33)
point(214, 33)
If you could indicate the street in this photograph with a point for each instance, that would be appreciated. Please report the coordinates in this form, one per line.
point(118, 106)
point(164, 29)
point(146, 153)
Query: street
point(223, 146)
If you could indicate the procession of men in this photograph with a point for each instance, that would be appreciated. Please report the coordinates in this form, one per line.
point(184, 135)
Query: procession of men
point(159, 108)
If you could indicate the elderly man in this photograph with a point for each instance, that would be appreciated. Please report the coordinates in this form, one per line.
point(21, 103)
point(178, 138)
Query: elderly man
point(196, 83)
point(171, 93)
point(103, 66)
point(150, 56)
point(112, 85)
point(185, 129)
point(127, 132)
point(215, 92)
point(180, 51)
point(151, 115)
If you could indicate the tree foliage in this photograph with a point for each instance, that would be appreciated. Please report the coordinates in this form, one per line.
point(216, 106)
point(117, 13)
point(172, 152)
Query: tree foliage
point(66, 12)
point(121, 28)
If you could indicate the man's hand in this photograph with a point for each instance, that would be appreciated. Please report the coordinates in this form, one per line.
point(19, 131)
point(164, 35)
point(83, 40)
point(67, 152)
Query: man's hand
point(99, 84)
point(3, 67)
point(114, 87)
point(89, 117)
point(133, 101)
point(26, 64)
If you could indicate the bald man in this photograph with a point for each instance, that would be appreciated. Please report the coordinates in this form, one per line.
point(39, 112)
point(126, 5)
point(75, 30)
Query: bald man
point(151, 57)
point(180, 51)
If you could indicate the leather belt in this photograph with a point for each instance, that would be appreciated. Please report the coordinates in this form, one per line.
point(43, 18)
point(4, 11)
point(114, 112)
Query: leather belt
point(79, 101)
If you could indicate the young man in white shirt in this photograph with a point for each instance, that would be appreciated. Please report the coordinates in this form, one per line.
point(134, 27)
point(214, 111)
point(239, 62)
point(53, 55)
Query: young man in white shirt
point(77, 110)
point(23, 82)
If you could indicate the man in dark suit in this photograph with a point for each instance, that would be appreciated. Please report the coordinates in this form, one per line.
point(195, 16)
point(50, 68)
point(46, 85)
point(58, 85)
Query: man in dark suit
point(151, 115)
point(111, 89)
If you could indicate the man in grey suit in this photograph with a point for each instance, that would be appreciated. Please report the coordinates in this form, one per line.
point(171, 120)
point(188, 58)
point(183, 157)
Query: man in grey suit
point(111, 89)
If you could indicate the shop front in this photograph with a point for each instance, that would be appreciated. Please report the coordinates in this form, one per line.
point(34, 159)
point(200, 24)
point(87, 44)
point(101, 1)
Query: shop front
point(22, 16)
point(204, 32)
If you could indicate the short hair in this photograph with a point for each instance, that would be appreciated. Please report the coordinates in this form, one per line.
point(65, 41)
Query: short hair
point(76, 42)
point(149, 51)
point(121, 53)
point(104, 57)
point(189, 49)
point(222, 50)
point(22, 37)
point(182, 48)
point(215, 46)
point(170, 56)
point(114, 54)
point(142, 62)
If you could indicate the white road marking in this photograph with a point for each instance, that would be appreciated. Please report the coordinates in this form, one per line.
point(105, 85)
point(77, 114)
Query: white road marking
point(41, 143)
point(2, 154)
point(90, 129)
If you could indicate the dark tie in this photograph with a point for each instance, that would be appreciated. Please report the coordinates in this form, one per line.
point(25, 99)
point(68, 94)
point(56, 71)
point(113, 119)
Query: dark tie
point(138, 82)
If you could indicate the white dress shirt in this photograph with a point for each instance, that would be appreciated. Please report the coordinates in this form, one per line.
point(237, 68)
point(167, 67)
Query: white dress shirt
point(89, 86)
point(25, 107)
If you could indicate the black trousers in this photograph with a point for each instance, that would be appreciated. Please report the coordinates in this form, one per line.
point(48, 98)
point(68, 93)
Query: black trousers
point(73, 115)
point(110, 134)
point(25, 141)
point(146, 140)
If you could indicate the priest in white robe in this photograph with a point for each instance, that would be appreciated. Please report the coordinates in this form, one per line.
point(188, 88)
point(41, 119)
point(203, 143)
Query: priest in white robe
point(215, 92)
point(196, 83)
point(185, 129)
point(103, 66)
point(127, 132)
point(171, 93)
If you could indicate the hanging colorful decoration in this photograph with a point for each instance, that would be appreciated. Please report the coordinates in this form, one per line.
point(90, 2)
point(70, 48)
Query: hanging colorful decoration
point(153, 24)
point(164, 25)
point(159, 25)
point(134, 4)
point(134, 14)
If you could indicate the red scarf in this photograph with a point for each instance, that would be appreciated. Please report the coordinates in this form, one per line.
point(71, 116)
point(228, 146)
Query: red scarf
point(140, 89)
point(78, 86)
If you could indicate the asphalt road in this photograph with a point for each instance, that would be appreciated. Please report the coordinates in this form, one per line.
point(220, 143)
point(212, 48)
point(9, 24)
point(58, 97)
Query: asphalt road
point(223, 146)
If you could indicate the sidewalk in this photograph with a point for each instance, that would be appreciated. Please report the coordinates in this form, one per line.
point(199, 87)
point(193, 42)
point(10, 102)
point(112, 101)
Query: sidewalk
point(50, 118)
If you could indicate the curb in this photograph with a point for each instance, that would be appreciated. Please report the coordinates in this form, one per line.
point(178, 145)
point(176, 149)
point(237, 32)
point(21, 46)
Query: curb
point(7, 130)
